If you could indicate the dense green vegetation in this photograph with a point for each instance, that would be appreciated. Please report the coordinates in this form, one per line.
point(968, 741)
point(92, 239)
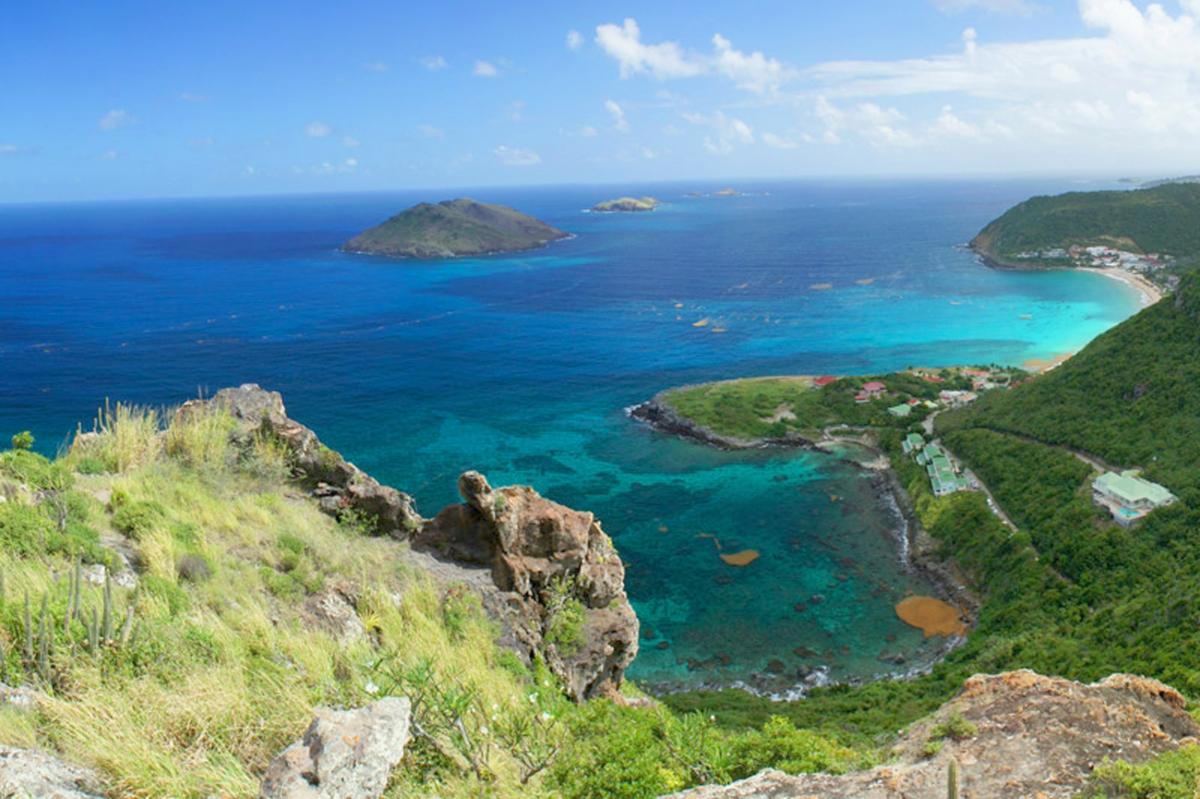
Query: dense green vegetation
point(1131, 397)
point(1174, 775)
point(1156, 220)
point(454, 227)
point(750, 408)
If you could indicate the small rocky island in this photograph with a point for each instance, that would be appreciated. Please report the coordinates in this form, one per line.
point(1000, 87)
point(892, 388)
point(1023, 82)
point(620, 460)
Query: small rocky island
point(454, 228)
point(626, 204)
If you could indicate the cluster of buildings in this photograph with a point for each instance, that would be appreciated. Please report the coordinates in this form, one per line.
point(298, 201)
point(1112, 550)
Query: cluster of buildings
point(1100, 256)
point(1128, 496)
point(944, 476)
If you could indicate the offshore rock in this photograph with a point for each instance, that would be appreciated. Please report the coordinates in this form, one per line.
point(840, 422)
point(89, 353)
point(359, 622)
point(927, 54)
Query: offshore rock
point(25, 772)
point(344, 754)
point(1036, 737)
point(338, 484)
point(537, 550)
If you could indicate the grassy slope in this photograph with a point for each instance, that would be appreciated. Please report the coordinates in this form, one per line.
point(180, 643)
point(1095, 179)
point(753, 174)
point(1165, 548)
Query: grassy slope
point(222, 671)
point(1163, 220)
point(458, 227)
point(740, 408)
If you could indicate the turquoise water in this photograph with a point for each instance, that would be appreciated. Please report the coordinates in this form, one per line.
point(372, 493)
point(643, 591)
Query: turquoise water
point(522, 367)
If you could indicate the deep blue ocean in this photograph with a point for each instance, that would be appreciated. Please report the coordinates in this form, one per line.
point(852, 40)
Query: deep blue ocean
point(522, 367)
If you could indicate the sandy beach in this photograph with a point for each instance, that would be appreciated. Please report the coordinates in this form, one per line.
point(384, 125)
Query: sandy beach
point(1149, 292)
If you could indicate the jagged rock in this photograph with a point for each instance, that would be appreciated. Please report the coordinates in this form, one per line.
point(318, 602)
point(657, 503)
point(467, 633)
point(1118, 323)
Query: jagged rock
point(1036, 737)
point(344, 754)
point(529, 542)
point(94, 573)
point(27, 773)
point(332, 610)
point(341, 484)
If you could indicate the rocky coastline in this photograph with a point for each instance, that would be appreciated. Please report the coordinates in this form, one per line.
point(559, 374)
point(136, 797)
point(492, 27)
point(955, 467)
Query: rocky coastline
point(915, 547)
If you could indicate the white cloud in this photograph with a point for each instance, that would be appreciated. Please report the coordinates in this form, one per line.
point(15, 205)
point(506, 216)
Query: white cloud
point(433, 63)
point(587, 131)
point(350, 163)
point(618, 115)
point(1022, 8)
point(192, 97)
point(516, 156)
point(376, 66)
point(1133, 76)
point(726, 131)
point(318, 130)
point(13, 149)
point(878, 126)
point(350, 141)
point(574, 39)
point(110, 155)
point(430, 132)
point(249, 170)
point(779, 142)
point(485, 69)
point(116, 118)
point(515, 109)
point(666, 60)
point(753, 72)
point(950, 124)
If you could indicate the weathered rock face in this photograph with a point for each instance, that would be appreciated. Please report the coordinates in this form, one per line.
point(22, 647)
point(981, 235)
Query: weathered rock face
point(528, 544)
point(534, 547)
point(1037, 738)
point(24, 772)
point(337, 483)
point(344, 754)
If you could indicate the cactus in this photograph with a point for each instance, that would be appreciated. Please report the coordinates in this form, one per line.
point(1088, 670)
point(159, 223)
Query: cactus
point(952, 780)
point(28, 632)
point(127, 627)
point(94, 632)
point(107, 631)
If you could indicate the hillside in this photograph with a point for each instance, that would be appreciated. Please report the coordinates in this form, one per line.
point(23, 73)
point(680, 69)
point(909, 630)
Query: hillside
point(453, 228)
point(1164, 219)
point(1129, 397)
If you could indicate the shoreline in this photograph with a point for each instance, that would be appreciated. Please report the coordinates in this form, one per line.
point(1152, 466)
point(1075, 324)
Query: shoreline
point(1148, 292)
point(915, 548)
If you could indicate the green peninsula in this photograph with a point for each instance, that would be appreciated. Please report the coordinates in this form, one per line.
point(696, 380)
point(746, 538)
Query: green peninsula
point(1076, 228)
point(626, 204)
point(454, 228)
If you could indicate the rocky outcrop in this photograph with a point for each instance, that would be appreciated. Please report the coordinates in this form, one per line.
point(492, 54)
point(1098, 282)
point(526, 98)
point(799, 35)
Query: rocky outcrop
point(1034, 737)
point(542, 556)
point(27, 773)
point(659, 414)
point(344, 754)
point(337, 484)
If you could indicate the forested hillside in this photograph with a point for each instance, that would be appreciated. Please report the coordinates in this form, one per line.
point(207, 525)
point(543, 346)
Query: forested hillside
point(1163, 219)
point(1131, 397)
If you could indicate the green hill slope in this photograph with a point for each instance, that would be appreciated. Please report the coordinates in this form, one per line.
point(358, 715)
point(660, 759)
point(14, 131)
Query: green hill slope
point(1164, 219)
point(1132, 396)
point(451, 228)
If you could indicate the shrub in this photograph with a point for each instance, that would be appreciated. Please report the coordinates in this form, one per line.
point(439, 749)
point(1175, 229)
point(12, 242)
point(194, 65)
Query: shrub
point(954, 727)
point(780, 745)
point(24, 529)
point(1170, 775)
point(137, 518)
point(194, 568)
point(565, 617)
point(23, 440)
point(34, 470)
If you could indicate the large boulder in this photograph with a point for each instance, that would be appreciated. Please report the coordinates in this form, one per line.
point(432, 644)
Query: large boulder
point(538, 552)
point(1034, 737)
point(338, 484)
point(344, 754)
point(28, 773)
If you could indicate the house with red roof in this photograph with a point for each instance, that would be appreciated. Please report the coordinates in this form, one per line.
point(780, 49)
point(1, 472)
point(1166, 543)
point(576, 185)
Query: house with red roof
point(824, 380)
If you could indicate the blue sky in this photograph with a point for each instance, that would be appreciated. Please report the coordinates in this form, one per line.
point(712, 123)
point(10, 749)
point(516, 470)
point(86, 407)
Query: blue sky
point(125, 99)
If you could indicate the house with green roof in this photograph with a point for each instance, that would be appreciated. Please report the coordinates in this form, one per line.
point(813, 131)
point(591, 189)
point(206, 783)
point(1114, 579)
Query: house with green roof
point(1128, 496)
point(913, 442)
point(943, 475)
point(900, 411)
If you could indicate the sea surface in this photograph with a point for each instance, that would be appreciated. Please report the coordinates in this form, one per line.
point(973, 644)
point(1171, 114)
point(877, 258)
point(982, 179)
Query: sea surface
point(522, 367)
